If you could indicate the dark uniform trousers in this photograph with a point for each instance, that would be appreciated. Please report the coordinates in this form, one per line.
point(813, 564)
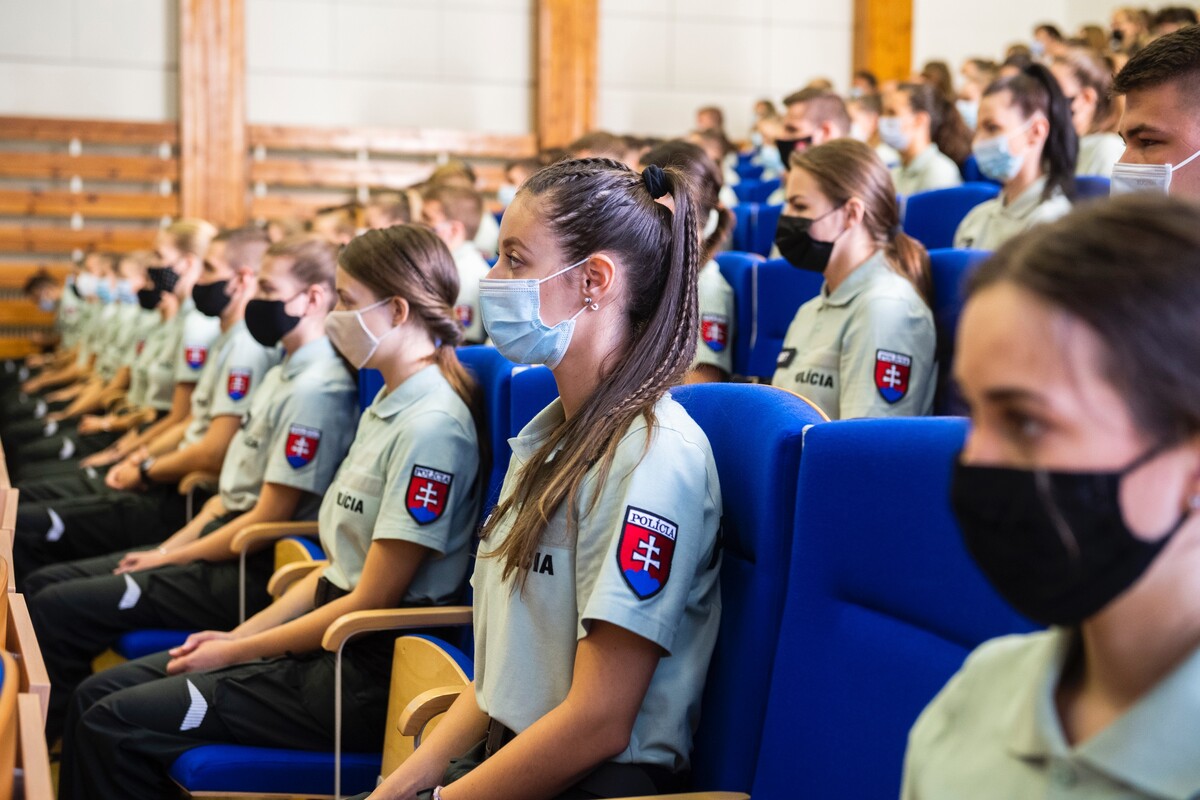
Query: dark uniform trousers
point(80, 609)
point(84, 524)
point(126, 726)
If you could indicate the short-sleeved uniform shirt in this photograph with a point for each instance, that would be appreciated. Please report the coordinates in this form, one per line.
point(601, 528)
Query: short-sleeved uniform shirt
point(296, 432)
point(471, 269)
point(994, 733)
point(155, 338)
point(992, 223)
point(868, 349)
point(166, 347)
point(716, 320)
point(411, 474)
point(69, 314)
point(932, 169)
point(199, 331)
point(643, 557)
point(233, 371)
point(144, 326)
point(1099, 153)
point(111, 356)
point(93, 329)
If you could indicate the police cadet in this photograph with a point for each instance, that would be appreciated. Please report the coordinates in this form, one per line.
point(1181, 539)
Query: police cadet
point(1077, 495)
point(279, 464)
point(863, 347)
point(138, 503)
point(596, 585)
point(714, 348)
point(396, 524)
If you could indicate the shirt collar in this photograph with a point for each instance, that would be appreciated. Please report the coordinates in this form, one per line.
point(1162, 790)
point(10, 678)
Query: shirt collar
point(420, 383)
point(316, 350)
point(919, 163)
point(1027, 200)
point(1146, 747)
point(526, 443)
point(855, 282)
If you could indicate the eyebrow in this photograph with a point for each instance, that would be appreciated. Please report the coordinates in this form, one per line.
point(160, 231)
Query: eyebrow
point(1140, 129)
point(1013, 394)
point(512, 241)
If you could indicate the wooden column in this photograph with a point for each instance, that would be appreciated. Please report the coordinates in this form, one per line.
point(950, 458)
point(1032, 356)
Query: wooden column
point(567, 42)
point(212, 110)
point(883, 37)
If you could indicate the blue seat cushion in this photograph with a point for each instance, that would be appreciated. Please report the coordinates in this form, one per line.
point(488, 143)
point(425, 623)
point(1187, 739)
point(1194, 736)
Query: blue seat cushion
point(244, 770)
point(136, 644)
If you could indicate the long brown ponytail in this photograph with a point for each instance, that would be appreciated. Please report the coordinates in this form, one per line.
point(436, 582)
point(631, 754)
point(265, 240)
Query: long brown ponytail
point(592, 206)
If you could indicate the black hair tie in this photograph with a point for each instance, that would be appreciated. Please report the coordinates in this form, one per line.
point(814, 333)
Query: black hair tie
point(656, 181)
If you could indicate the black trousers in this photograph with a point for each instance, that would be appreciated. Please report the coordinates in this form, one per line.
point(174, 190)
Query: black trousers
point(126, 726)
point(52, 531)
point(80, 609)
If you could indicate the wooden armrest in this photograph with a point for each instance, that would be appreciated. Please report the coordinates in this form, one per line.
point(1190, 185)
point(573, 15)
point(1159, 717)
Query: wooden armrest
point(292, 573)
point(33, 755)
point(8, 512)
point(197, 480)
point(694, 796)
point(356, 623)
point(269, 532)
point(6, 548)
point(426, 706)
point(23, 642)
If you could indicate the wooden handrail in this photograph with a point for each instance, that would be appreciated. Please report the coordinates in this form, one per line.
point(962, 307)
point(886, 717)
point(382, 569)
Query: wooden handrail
point(53, 129)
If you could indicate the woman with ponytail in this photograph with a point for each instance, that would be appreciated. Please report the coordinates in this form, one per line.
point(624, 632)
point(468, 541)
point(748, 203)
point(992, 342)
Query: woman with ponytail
point(1086, 80)
point(1026, 141)
point(601, 557)
point(864, 347)
point(396, 524)
point(714, 348)
point(918, 123)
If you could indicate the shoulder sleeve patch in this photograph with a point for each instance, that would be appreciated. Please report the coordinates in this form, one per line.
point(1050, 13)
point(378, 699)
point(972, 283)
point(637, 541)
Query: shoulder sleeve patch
point(301, 445)
point(195, 355)
point(645, 551)
point(892, 371)
point(239, 381)
point(428, 491)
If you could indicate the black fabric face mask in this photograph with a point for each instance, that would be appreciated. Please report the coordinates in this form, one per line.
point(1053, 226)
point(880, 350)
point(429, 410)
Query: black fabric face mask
point(797, 245)
point(163, 278)
point(788, 146)
point(211, 298)
point(149, 298)
point(1053, 544)
point(268, 322)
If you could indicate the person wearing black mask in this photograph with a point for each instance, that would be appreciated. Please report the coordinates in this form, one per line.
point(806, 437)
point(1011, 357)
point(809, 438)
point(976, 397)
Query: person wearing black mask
point(1077, 494)
point(813, 117)
point(864, 347)
point(279, 464)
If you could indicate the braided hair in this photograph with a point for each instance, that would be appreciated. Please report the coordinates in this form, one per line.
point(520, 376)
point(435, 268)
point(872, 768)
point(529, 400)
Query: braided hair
point(592, 206)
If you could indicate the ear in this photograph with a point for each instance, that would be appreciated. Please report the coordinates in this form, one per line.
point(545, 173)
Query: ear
point(400, 310)
point(1039, 131)
point(856, 211)
point(1089, 95)
point(599, 274)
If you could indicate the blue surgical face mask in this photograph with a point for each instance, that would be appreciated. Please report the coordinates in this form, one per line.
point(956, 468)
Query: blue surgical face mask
point(891, 132)
point(125, 292)
point(512, 316)
point(47, 304)
point(104, 291)
point(996, 158)
point(969, 111)
point(506, 193)
point(87, 284)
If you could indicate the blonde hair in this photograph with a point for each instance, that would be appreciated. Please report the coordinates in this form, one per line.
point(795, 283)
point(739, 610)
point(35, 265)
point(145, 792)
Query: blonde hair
point(191, 236)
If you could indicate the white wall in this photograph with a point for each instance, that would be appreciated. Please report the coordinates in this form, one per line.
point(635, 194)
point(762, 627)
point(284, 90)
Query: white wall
point(460, 64)
point(662, 59)
point(106, 59)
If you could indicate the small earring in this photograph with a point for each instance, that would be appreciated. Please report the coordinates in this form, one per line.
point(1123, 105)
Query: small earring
point(587, 302)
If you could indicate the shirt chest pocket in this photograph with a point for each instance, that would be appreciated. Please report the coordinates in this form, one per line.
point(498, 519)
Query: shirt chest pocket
point(357, 496)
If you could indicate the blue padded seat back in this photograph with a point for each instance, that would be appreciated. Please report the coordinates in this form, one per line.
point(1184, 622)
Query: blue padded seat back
point(971, 173)
point(494, 375)
point(933, 217)
point(883, 605)
point(747, 170)
point(370, 382)
point(762, 236)
point(136, 644)
point(532, 390)
point(950, 269)
point(1092, 187)
point(756, 433)
point(755, 191)
point(767, 295)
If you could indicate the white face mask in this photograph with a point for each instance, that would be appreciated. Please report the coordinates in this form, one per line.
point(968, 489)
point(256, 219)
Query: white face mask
point(891, 132)
point(1130, 178)
point(857, 132)
point(348, 332)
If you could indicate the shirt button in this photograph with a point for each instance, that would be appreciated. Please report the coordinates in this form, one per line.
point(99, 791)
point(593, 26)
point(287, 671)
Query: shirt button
point(1064, 774)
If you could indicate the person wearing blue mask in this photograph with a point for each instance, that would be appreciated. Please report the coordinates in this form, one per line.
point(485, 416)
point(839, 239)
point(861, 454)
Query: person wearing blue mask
point(916, 121)
point(1161, 125)
point(1077, 495)
point(1025, 141)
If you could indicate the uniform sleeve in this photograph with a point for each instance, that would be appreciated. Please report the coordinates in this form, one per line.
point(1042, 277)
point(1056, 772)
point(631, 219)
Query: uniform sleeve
point(243, 372)
point(944, 174)
point(715, 346)
point(431, 473)
point(655, 530)
point(198, 335)
point(970, 228)
point(308, 444)
point(887, 359)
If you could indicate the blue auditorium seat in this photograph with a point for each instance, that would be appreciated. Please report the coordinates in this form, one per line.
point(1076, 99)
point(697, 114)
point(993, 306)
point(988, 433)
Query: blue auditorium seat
point(234, 769)
point(1092, 187)
point(494, 374)
point(933, 217)
point(754, 227)
point(748, 171)
point(950, 270)
point(883, 604)
point(532, 390)
point(755, 191)
point(767, 295)
point(971, 173)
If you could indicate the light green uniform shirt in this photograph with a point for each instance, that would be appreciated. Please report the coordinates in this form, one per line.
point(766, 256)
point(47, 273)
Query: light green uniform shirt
point(123, 328)
point(199, 331)
point(716, 320)
point(144, 326)
point(411, 474)
point(865, 350)
point(233, 370)
point(1099, 153)
point(165, 348)
point(69, 315)
point(296, 432)
point(471, 269)
point(993, 733)
point(992, 223)
point(90, 328)
point(932, 169)
point(156, 340)
point(644, 557)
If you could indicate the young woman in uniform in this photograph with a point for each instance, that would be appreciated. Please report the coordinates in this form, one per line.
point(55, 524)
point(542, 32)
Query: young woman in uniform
point(396, 524)
point(596, 592)
point(1077, 494)
point(865, 346)
point(1026, 141)
point(191, 581)
point(714, 348)
point(919, 123)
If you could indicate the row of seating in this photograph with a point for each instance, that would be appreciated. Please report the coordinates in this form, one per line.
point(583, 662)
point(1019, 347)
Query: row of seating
point(24, 683)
